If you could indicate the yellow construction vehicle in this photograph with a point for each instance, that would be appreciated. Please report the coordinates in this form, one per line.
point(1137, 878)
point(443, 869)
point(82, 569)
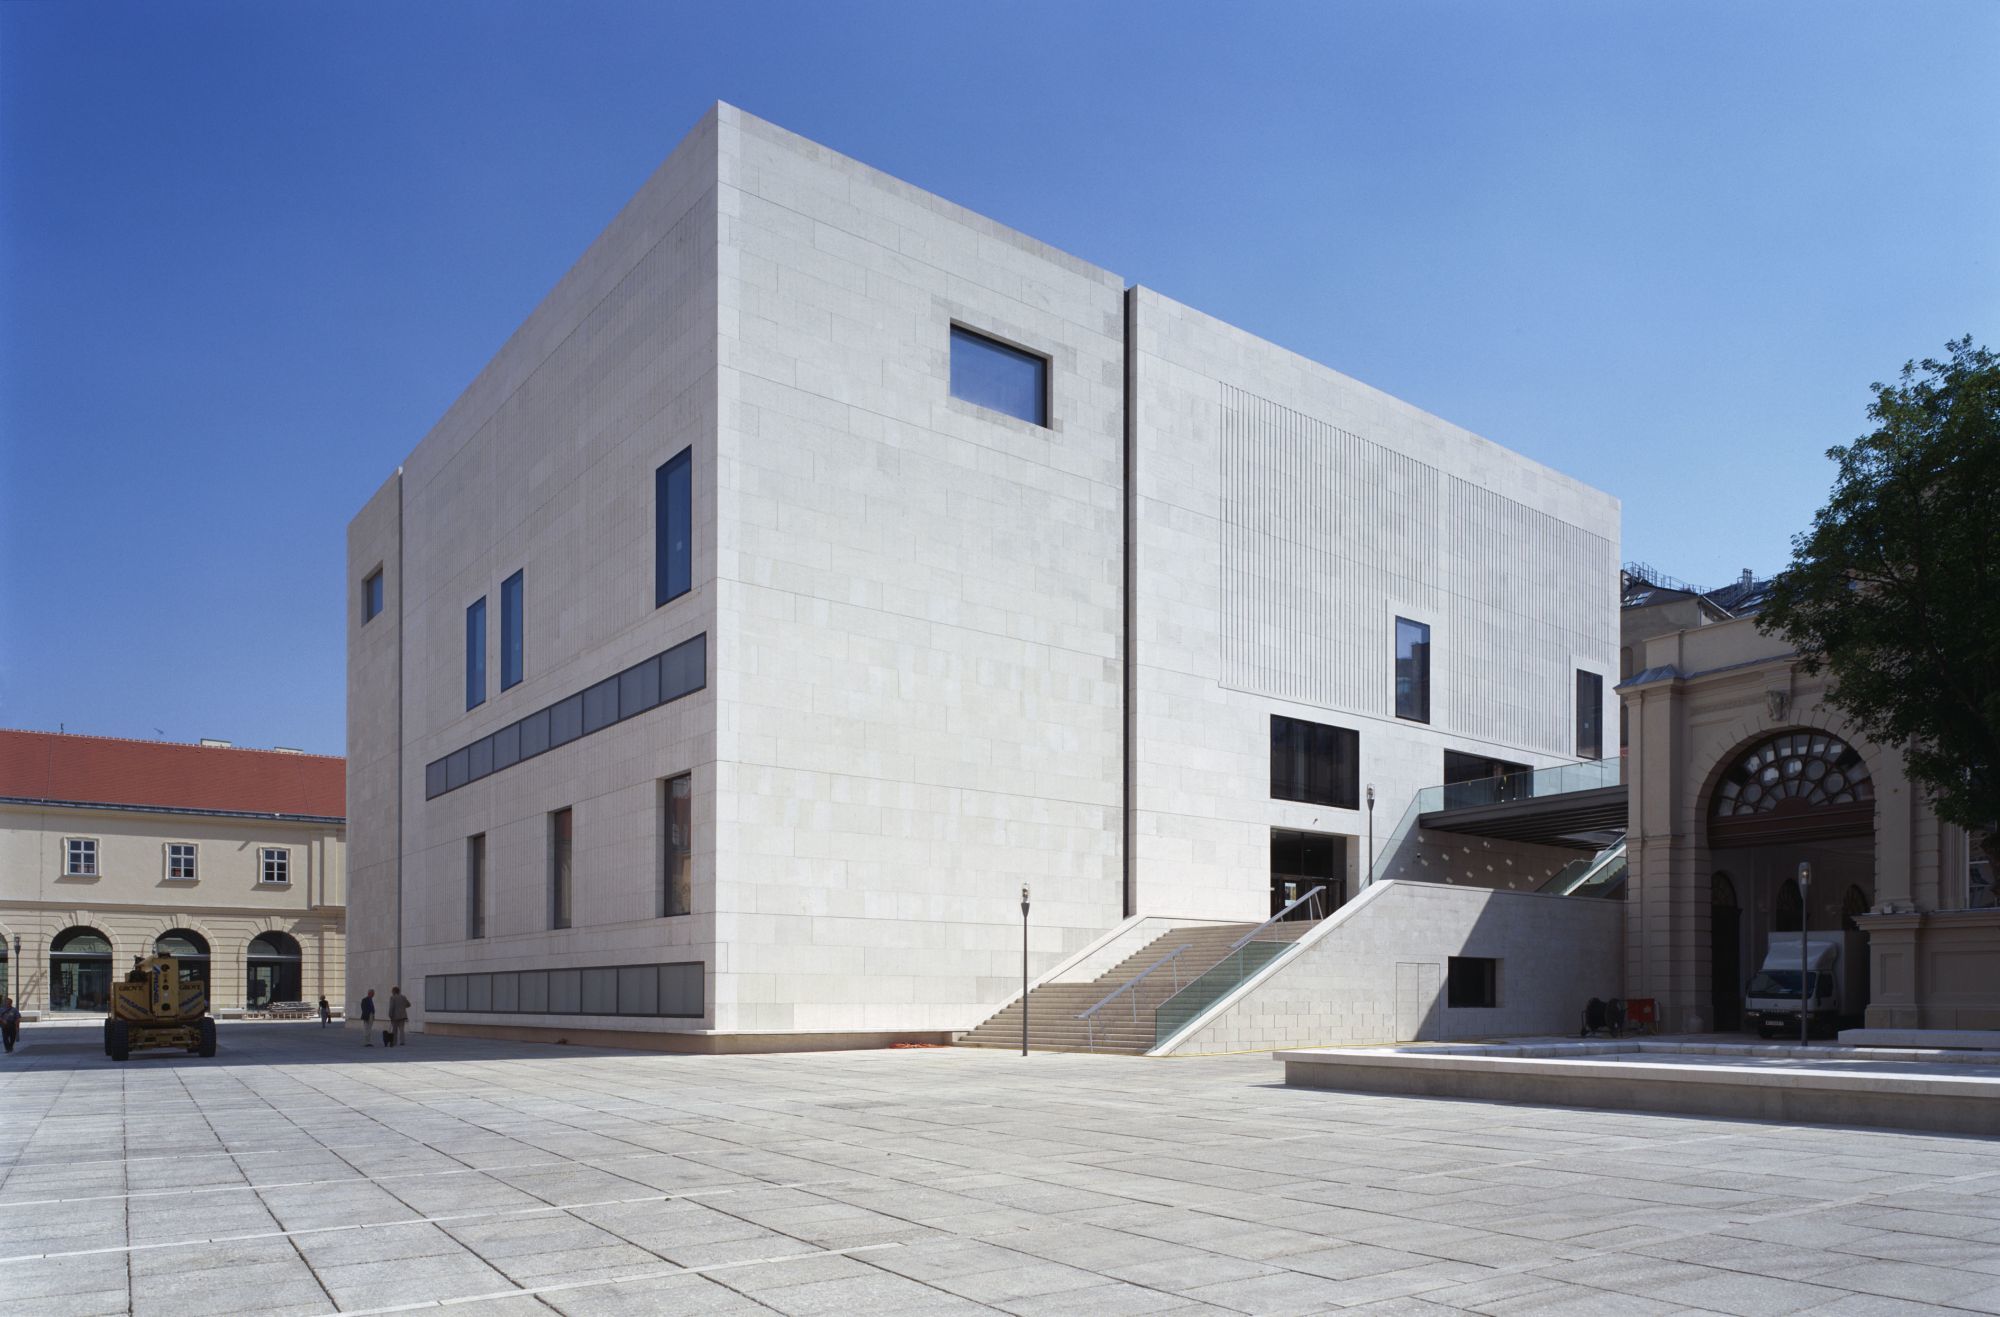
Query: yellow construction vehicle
point(155, 1007)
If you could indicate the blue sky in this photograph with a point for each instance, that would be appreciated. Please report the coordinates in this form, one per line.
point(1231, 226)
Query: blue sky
point(250, 252)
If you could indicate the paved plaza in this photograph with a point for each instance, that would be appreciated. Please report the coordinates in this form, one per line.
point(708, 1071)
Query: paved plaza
point(300, 1173)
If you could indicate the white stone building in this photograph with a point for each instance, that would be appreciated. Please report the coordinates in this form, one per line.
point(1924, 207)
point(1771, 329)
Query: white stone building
point(821, 563)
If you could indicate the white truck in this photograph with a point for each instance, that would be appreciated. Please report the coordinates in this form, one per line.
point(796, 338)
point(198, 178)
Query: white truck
point(1835, 986)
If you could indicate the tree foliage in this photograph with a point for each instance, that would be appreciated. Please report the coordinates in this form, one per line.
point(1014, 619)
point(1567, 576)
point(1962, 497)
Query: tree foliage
point(1896, 588)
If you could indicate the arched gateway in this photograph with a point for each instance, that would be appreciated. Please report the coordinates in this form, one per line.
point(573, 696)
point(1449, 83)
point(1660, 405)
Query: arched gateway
point(1802, 794)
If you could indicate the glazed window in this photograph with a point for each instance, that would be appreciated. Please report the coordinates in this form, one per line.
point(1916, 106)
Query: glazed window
point(989, 373)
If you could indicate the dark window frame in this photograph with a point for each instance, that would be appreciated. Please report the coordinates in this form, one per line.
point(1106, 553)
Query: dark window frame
point(999, 348)
point(562, 867)
point(372, 596)
point(673, 576)
point(475, 653)
point(677, 846)
point(1417, 708)
point(475, 887)
point(1315, 763)
point(649, 684)
point(1472, 983)
point(675, 990)
point(1589, 714)
point(513, 651)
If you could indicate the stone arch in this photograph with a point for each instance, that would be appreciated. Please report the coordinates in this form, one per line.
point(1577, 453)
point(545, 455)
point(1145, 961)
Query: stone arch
point(1724, 749)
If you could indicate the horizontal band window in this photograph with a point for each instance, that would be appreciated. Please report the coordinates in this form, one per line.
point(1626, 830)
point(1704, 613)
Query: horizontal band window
point(670, 991)
point(661, 679)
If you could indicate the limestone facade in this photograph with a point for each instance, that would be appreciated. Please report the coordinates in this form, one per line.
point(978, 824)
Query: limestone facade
point(948, 653)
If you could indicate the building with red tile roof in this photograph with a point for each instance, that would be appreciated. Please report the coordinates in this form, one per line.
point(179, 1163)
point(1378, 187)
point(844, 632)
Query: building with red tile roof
point(234, 860)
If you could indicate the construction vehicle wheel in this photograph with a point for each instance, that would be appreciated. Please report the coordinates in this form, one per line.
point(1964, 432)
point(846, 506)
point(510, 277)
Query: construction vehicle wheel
point(118, 1040)
point(207, 1047)
point(107, 1038)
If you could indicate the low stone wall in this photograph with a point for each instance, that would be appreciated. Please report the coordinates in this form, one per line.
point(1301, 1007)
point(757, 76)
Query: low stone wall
point(1376, 972)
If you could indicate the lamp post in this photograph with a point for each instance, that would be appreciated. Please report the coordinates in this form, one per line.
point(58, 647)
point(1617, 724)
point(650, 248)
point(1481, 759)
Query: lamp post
point(1369, 876)
point(1024, 969)
point(1805, 922)
point(17, 971)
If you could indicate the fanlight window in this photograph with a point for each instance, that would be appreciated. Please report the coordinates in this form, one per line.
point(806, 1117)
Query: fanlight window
point(1812, 769)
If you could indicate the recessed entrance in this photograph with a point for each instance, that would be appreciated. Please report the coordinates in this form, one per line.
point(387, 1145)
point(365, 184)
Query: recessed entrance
point(1802, 795)
point(1301, 861)
point(274, 966)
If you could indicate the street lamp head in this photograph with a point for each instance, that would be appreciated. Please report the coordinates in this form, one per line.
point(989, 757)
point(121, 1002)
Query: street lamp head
point(1371, 795)
point(1805, 873)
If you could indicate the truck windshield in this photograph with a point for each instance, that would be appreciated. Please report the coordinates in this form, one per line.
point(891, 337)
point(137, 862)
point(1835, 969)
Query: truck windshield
point(1774, 983)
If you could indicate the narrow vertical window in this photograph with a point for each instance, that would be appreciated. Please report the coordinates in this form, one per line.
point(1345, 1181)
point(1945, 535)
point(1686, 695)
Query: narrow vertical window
point(559, 869)
point(371, 595)
point(1413, 670)
point(510, 631)
point(475, 886)
point(1589, 715)
point(673, 527)
point(475, 654)
point(677, 896)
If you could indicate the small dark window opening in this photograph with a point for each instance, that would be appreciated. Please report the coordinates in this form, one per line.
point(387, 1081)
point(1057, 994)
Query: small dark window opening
point(1413, 670)
point(1589, 715)
point(996, 375)
point(1472, 981)
point(475, 653)
point(475, 886)
point(510, 631)
point(559, 869)
point(371, 595)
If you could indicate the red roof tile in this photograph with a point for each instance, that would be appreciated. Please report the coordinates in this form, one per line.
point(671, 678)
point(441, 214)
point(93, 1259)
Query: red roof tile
point(106, 770)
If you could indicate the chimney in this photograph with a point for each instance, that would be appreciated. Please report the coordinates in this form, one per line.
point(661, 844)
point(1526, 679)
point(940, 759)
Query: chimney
point(1747, 578)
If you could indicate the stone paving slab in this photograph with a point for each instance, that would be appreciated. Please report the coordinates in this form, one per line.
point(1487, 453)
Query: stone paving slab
point(299, 1173)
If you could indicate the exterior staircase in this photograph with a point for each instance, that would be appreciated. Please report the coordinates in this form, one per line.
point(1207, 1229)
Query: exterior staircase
point(1126, 1025)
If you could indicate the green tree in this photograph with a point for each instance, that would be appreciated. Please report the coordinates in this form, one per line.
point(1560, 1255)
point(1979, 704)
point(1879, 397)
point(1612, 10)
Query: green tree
point(1896, 588)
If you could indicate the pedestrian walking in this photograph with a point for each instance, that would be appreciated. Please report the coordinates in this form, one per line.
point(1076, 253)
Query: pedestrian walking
point(368, 1019)
point(10, 1022)
point(399, 1013)
point(325, 1012)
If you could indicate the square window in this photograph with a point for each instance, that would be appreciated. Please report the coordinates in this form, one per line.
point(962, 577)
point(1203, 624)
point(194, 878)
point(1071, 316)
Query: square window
point(1315, 763)
point(481, 760)
point(1473, 982)
point(639, 990)
point(371, 596)
point(684, 668)
point(565, 997)
point(506, 993)
point(458, 769)
point(454, 992)
point(479, 992)
point(435, 781)
point(80, 857)
point(433, 992)
point(996, 375)
point(535, 991)
point(274, 866)
point(181, 861)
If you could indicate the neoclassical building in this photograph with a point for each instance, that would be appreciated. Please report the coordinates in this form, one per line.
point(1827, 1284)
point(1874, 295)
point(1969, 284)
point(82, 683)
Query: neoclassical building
point(233, 859)
point(1738, 771)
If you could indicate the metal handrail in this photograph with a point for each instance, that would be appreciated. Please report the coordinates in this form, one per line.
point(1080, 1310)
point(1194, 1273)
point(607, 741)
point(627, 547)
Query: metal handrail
point(1089, 1016)
point(1251, 936)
